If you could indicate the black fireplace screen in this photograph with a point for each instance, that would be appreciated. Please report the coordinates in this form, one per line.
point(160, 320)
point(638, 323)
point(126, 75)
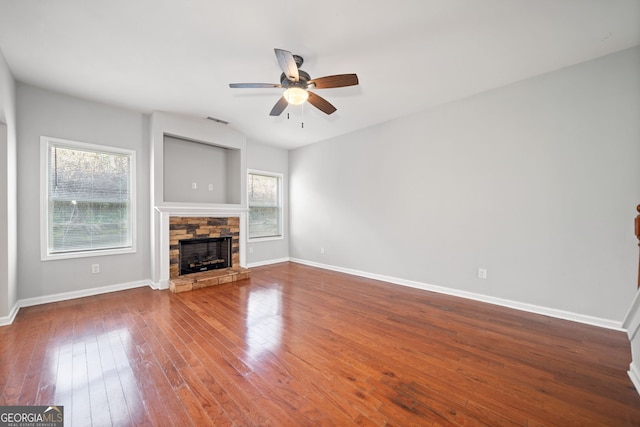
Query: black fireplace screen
point(198, 255)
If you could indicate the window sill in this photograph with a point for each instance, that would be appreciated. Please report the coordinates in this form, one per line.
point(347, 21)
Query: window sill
point(264, 239)
point(87, 254)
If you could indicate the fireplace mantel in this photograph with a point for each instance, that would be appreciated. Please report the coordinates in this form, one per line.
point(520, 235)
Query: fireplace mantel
point(207, 210)
point(161, 262)
point(164, 213)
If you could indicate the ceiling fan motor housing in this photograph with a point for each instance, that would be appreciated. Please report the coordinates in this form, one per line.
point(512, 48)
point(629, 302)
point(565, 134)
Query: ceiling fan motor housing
point(302, 81)
point(298, 60)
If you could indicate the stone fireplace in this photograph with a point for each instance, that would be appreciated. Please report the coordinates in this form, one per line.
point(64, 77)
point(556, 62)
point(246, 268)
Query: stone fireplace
point(218, 237)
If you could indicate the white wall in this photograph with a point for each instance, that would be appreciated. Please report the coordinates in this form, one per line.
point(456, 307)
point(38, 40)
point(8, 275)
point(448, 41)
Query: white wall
point(537, 182)
point(8, 189)
point(270, 159)
point(42, 112)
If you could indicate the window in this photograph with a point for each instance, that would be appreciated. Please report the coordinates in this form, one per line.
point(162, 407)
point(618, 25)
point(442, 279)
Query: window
point(265, 205)
point(88, 198)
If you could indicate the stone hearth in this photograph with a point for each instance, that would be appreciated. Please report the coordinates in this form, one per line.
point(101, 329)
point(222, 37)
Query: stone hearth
point(205, 279)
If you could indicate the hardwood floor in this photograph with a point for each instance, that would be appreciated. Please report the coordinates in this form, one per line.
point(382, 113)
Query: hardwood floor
point(300, 346)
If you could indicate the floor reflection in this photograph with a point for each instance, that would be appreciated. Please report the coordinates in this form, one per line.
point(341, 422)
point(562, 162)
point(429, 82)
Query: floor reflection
point(264, 321)
point(94, 379)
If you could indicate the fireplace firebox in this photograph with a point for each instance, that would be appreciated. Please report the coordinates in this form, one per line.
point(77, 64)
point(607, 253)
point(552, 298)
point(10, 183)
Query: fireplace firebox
point(204, 254)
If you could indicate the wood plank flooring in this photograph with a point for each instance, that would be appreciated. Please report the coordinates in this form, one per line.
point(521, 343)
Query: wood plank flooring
point(300, 346)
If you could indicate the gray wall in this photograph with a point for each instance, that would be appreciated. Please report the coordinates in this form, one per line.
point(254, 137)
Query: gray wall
point(270, 159)
point(41, 112)
point(8, 188)
point(537, 182)
point(188, 162)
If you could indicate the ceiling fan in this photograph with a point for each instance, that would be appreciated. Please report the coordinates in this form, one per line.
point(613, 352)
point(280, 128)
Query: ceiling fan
point(297, 83)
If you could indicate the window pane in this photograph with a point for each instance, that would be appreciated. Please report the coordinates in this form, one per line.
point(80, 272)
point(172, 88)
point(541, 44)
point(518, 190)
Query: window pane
point(263, 190)
point(264, 222)
point(87, 226)
point(88, 200)
point(264, 206)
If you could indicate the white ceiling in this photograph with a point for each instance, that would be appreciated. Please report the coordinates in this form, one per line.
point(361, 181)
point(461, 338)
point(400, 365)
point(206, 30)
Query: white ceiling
point(180, 55)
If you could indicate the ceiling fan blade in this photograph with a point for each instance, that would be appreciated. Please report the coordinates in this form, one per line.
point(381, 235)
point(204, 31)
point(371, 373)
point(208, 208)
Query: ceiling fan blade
point(279, 107)
point(321, 104)
point(288, 64)
point(254, 85)
point(339, 80)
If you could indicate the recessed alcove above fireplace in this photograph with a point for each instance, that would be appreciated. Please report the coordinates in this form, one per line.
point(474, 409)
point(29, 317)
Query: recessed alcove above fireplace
point(197, 172)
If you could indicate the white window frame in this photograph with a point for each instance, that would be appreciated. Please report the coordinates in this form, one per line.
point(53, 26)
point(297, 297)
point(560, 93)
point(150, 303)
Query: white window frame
point(280, 204)
point(45, 255)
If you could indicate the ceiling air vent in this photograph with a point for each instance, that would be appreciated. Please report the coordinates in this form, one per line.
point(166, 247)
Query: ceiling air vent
point(213, 119)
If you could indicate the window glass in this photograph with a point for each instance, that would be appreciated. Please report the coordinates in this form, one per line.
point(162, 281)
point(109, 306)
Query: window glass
point(88, 198)
point(264, 191)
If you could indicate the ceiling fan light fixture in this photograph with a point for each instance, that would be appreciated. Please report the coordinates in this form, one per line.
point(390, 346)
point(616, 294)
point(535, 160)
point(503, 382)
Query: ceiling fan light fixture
point(296, 95)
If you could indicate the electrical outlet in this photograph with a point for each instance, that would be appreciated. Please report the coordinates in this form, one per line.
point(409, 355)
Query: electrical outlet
point(194, 185)
point(321, 251)
point(95, 268)
point(482, 273)
point(210, 187)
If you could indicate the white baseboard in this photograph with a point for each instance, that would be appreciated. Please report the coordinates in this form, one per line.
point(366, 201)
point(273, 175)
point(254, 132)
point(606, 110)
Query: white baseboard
point(531, 308)
point(64, 296)
point(561, 314)
point(155, 285)
point(632, 319)
point(267, 262)
point(7, 320)
point(634, 375)
point(632, 325)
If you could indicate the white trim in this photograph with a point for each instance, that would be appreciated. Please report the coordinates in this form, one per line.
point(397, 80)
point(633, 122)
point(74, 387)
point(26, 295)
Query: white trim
point(634, 375)
point(7, 320)
point(267, 262)
point(263, 239)
point(631, 321)
point(632, 325)
point(45, 142)
point(203, 210)
point(82, 293)
point(65, 296)
point(165, 213)
point(531, 308)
